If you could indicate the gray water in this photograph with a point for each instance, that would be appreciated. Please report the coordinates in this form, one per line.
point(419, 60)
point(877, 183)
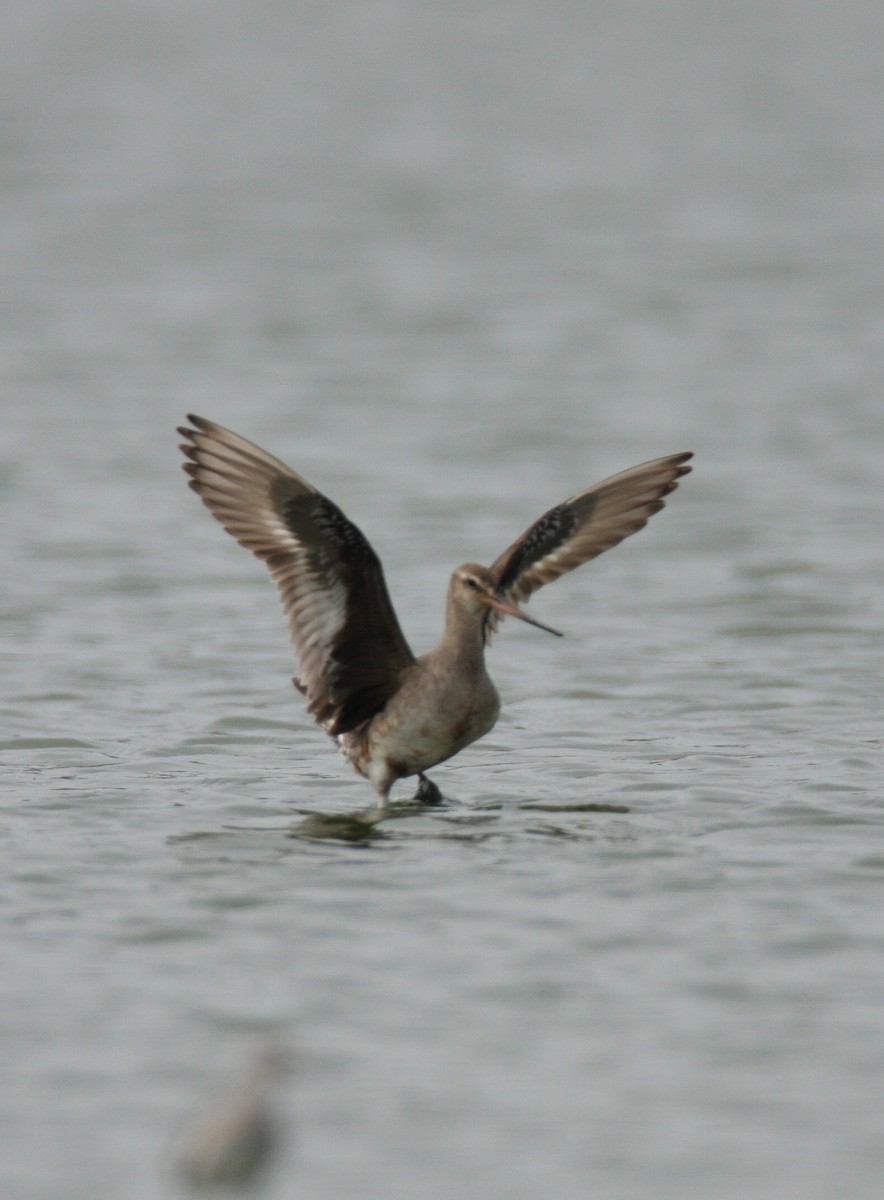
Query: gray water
point(453, 262)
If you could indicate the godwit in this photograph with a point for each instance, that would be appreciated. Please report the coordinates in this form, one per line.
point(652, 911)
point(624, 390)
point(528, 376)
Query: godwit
point(392, 714)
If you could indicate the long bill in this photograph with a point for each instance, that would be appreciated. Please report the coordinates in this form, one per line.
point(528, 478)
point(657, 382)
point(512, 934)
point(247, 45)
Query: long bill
point(511, 611)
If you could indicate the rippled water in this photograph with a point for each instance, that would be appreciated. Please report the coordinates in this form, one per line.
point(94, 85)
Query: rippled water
point(452, 263)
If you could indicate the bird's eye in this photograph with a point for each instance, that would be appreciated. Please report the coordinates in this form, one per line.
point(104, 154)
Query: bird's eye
point(471, 583)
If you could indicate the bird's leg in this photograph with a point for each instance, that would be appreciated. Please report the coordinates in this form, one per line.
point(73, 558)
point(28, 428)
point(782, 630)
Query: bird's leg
point(382, 808)
point(427, 791)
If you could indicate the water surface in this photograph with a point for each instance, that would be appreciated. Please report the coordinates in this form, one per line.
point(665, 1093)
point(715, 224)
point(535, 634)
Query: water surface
point(453, 263)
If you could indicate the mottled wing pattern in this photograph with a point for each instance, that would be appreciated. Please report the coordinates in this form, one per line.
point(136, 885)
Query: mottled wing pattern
point(349, 646)
point(580, 528)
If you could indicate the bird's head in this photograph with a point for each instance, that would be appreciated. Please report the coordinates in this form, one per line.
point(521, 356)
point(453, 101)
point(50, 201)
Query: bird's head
point(473, 591)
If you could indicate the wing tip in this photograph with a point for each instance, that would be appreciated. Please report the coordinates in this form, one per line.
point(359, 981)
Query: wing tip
point(680, 465)
point(197, 426)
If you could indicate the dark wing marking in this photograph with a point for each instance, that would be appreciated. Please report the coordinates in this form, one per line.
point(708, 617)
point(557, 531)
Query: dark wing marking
point(580, 528)
point(348, 642)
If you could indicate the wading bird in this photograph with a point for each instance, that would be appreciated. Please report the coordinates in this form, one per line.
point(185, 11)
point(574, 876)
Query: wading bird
point(392, 714)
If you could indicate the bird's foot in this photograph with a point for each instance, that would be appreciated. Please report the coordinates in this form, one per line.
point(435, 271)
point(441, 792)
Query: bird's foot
point(427, 791)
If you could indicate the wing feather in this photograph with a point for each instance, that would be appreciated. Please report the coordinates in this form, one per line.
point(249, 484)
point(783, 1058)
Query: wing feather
point(348, 642)
point(582, 527)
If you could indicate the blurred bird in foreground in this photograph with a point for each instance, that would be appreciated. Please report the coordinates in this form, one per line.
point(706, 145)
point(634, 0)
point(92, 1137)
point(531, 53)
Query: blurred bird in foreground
point(392, 714)
point(231, 1142)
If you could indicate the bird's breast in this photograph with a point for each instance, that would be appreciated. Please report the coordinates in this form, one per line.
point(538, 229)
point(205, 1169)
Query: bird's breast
point(431, 718)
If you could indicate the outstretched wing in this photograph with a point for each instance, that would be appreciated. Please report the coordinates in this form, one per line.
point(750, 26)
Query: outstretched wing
point(348, 642)
point(580, 528)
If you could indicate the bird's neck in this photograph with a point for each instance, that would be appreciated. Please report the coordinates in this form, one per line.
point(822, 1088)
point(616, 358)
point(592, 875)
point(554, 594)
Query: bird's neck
point(463, 641)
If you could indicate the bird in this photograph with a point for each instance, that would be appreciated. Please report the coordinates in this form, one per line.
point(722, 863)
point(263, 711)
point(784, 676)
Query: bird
point(393, 714)
point(230, 1142)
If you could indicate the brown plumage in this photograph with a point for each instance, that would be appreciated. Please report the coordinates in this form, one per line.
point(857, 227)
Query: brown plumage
point(394, 714)
point(583, 527)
